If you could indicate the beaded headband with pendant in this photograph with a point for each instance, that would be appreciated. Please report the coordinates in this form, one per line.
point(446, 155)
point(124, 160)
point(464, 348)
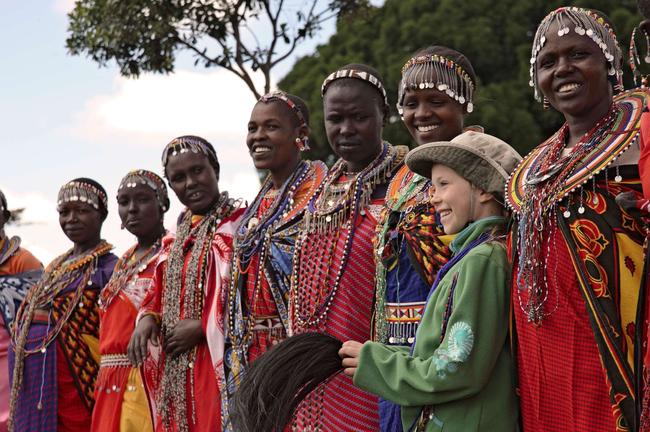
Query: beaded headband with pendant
point(357, 74)
point(187, 143)
point(76, 191)
point(583, 22)
point(432, 71)
point(282, 96)
point(149, 179)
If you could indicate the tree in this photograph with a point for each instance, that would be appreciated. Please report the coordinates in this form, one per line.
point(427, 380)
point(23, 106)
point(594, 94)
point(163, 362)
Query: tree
point(242, 36)
point(495, 35)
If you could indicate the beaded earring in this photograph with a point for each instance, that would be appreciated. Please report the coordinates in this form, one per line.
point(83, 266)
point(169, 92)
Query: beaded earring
point(546, 104)
point(302, 144)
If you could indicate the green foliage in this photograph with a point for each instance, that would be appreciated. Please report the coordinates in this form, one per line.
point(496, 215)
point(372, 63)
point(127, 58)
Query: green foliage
point(495, 35)
point(145, 35)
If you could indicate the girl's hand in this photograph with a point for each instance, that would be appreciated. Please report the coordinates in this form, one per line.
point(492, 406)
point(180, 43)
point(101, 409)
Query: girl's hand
point(349, 352)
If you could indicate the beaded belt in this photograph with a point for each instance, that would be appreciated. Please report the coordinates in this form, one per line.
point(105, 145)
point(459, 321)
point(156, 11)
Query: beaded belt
point(403, 320)
point(114, 361)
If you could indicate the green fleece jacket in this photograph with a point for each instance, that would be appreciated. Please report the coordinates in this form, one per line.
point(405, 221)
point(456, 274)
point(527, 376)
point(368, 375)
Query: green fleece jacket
point(469, 376)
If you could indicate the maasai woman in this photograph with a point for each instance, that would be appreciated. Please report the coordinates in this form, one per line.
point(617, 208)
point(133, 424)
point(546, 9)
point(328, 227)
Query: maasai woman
point(278, 130)
point(333, 279)
point(19, 270)
point(435, 94)
point(578, 256)
point(185, 305)
point(120, 400)
point(459, 374)
point(55, 357)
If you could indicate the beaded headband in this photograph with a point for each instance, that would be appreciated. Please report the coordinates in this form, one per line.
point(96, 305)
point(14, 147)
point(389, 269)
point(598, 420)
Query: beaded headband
point(357, 74)
point(583, 22)
point(436, 72)
point(282, 96)
point(149, 179)
point(76, 191)
point(187, 143)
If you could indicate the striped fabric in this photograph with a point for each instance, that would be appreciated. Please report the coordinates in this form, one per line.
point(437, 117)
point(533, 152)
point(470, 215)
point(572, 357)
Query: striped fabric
point(338, 405)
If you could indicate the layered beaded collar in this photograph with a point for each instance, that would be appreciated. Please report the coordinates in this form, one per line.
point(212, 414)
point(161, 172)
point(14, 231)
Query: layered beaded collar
point(601, 147)
point(336, 199)
point(545, 179)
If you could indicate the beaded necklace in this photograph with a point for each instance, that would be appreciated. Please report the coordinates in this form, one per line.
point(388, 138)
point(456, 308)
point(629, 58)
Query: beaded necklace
point(172, 398)
point(253, 237)
point(57, 276)
point(127, 268)
point(544, 185)
point(328, 213)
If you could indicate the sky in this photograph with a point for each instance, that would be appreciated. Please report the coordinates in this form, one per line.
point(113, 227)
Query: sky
point(64, 117)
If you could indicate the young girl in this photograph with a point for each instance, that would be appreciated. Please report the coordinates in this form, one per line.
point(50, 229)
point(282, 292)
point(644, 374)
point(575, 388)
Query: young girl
point(459, 372)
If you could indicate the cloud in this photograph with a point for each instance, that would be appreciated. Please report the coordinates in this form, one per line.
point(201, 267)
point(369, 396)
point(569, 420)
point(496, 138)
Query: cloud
point(63, 6)
point(213, 103)
point(143, 115)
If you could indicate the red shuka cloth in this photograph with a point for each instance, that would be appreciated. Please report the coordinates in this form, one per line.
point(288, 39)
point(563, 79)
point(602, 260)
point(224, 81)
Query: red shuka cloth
point(562, 383)
point(342, 406)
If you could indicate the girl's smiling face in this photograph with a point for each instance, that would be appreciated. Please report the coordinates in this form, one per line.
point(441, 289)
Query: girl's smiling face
point(452, 198)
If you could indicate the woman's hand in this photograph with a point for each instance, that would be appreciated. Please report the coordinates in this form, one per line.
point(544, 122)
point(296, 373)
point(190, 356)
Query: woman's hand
point(349, 352)
point(146, 330)
point(184, 336)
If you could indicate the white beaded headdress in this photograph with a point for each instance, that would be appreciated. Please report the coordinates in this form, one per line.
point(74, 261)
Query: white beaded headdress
point(191, 143)
point(79, 191)
point(436, 72)
point(356, 74)
point(149, 179)
point(583, 22)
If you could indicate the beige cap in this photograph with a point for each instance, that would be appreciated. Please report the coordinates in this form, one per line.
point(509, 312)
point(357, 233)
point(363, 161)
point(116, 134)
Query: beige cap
point(484, 160)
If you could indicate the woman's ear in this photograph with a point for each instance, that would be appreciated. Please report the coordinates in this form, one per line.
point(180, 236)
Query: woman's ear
point(304, 131)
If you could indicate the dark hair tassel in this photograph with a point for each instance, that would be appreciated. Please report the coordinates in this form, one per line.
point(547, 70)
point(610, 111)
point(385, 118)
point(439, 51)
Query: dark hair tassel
point(278, 381)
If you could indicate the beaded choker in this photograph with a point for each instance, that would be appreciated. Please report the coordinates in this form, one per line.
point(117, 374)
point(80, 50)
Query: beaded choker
point(127, 268)
point(172, 398)
point(64, 270)
point(540, 190)
point(334, 202)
